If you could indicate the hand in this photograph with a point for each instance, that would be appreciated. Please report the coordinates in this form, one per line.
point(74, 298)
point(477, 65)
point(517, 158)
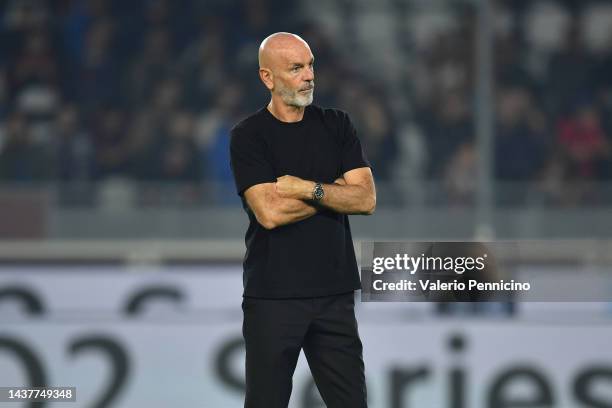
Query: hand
point(294, 187)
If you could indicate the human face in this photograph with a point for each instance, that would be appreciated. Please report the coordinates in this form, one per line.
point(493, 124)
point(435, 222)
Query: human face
point(295, 81)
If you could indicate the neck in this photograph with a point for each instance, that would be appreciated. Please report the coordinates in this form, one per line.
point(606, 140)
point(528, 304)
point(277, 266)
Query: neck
point(285, 113)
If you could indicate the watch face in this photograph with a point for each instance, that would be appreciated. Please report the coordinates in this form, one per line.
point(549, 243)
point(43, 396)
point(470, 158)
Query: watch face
point(318, 192)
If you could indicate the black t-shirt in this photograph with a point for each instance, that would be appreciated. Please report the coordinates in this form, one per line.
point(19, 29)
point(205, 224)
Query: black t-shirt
point(315, 256)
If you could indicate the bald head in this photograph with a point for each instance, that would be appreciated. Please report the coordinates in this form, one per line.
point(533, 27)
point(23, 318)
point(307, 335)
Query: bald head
point(286, 67)
point(279, 47)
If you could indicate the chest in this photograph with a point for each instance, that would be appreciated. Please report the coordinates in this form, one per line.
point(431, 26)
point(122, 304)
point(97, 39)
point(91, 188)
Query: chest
point(311, 153)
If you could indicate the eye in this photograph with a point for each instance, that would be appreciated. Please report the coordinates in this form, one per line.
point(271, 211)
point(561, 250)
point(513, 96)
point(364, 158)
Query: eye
point(295, 69)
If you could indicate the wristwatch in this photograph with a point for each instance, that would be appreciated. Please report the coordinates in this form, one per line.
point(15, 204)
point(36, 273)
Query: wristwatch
point(318, 192)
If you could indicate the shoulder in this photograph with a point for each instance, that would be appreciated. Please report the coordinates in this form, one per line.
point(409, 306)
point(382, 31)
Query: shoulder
point(251, 122)
point(247, 128)
point(330, 114)
point(337, 121)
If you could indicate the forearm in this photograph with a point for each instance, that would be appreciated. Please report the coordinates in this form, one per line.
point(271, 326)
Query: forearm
point(285, 211)
point(352, 194)
point(348, 199)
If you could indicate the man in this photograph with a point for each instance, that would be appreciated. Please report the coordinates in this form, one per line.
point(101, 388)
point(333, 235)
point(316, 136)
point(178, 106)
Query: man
point(300, 170)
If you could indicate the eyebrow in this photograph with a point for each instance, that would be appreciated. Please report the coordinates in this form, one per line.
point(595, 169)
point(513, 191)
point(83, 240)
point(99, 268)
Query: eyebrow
point(299, 64)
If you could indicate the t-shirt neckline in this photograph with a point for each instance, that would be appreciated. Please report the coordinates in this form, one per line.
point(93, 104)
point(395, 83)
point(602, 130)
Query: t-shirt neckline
point(287, 124)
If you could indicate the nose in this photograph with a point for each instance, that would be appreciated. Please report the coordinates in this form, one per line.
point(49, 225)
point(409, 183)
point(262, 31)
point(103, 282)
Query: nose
point(309, 73)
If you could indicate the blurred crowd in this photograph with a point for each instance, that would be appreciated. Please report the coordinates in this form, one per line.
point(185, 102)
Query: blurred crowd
point(147, 90)
point(552, 87)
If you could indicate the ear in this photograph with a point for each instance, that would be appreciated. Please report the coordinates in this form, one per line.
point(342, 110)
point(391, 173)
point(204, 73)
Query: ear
point(267, 78)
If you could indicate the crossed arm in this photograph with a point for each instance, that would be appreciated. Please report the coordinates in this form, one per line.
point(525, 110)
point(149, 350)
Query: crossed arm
point(289, 199)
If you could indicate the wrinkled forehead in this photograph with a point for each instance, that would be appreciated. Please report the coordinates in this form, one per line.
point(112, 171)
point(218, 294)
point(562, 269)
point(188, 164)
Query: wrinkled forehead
point(293, 53)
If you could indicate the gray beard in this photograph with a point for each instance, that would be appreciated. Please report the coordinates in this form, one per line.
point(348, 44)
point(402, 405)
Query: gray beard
point(295, 98)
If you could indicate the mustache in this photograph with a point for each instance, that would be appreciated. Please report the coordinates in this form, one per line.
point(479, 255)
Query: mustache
point(308, 88)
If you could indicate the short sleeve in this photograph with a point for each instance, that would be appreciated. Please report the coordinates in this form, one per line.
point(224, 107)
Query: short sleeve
point(353, 156)
point(248, 160)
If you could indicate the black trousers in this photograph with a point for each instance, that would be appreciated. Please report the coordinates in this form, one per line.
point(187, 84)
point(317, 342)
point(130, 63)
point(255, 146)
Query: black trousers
point(325, 328)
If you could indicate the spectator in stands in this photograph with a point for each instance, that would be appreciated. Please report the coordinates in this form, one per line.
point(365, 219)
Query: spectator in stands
point(98, 71)
point(110, 143)
point(179, 160)
point(446, 130)
point(144, 138)
point(203, 65)
point(37, 63)
point(20, 159)
point(520, 145)
point(167, 98)
point(72, 149)
point(461, 176)
point(20, 19)
point(570, 74)
point(378, 135)
point(151, 66)
point(77, 19)
point(584, 142)
point(216, 145)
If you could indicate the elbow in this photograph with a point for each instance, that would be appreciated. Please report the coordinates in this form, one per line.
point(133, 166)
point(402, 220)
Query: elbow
point(370, 206)
point(267, 220)
point(268, 225)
